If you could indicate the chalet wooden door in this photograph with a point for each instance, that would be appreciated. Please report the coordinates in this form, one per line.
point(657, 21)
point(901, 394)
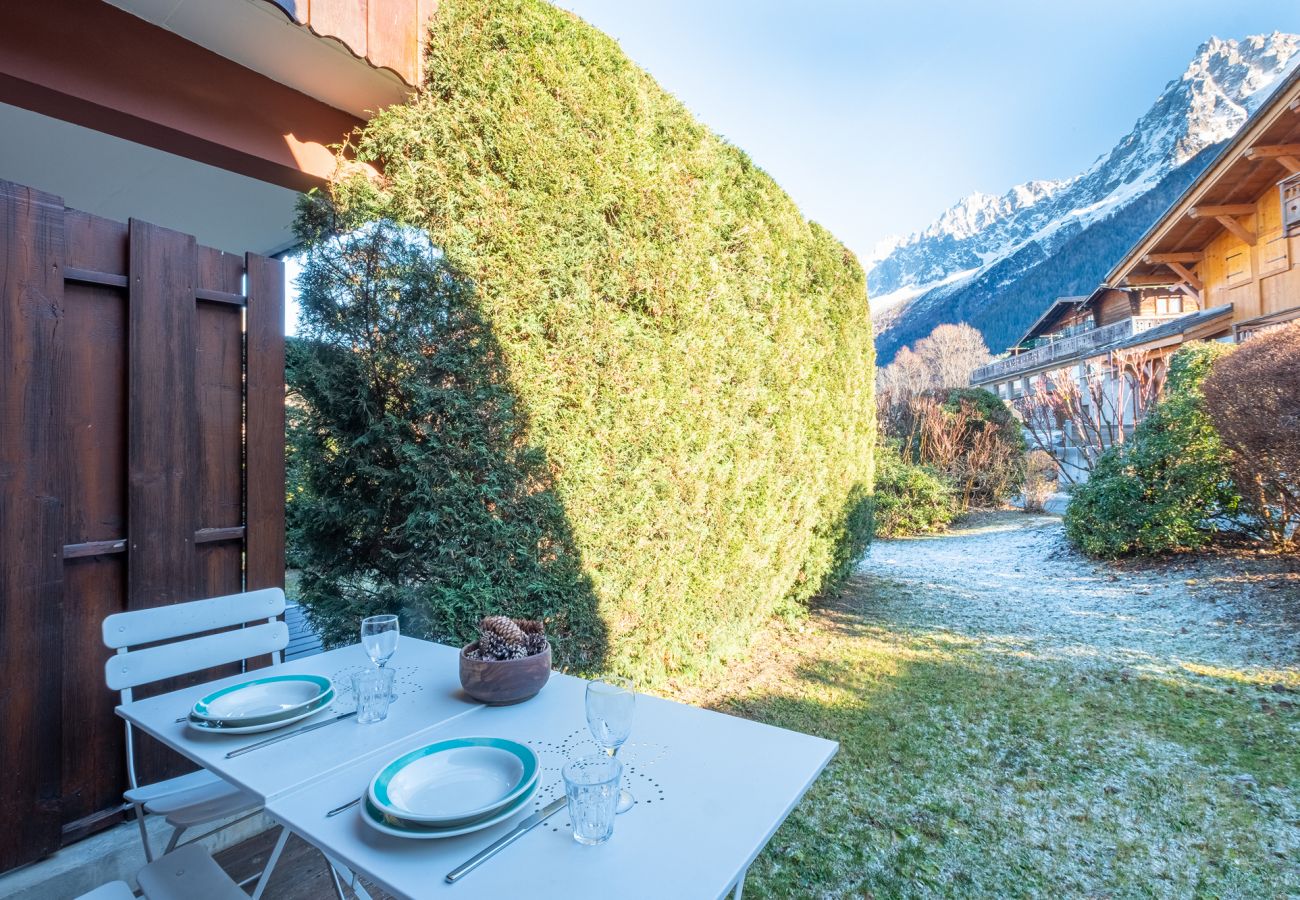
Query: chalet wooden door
point(141, 463)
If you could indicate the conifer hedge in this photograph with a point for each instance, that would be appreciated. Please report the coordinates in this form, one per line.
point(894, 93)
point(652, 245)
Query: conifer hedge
point(693, 356)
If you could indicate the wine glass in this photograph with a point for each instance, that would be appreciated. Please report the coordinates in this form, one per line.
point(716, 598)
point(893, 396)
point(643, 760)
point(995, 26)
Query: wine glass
point(379, 636)
point(610, 705)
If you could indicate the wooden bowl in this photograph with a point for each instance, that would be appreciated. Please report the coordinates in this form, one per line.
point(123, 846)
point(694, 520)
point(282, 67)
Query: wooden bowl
point(501, 682)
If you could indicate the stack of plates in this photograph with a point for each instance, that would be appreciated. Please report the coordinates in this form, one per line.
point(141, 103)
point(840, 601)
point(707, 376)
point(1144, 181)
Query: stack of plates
point(451, 787)
point(262, 704)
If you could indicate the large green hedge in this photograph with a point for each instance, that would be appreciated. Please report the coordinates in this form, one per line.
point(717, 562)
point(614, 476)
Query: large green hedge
point(694, 356)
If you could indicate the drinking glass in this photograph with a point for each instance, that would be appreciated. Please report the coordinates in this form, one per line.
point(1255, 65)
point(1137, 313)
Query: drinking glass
point(379, 636)
point(610, 705)
point(373, 689)
point(591, 784)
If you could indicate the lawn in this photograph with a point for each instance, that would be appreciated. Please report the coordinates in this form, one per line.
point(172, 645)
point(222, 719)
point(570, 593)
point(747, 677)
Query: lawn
point(1025, 760)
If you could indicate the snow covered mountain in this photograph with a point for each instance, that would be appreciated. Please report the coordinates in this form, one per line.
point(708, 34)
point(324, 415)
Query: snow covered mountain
point(985, 243)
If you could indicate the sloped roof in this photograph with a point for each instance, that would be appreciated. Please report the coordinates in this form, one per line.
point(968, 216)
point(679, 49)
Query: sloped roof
point(1050, 315)
point(1182, 325)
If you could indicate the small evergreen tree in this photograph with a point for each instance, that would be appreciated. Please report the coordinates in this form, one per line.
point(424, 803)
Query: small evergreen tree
point(413, 488)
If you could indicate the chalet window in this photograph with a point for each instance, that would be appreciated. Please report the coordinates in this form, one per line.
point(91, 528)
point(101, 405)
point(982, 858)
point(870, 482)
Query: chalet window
point(1273, 254)
point(1238, 267)
point(1290, 190)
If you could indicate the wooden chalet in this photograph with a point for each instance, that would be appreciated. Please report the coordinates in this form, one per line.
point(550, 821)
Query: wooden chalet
point(1221, 264)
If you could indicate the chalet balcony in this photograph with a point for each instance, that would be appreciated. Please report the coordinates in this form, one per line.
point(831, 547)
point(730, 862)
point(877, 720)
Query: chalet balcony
point(1066, 350)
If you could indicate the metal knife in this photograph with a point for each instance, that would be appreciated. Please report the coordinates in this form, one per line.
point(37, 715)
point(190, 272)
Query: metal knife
point(288, 734)
point(509, 838)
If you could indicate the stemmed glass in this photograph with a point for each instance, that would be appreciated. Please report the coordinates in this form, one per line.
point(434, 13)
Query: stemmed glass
point(610, 705)
point(379, 636)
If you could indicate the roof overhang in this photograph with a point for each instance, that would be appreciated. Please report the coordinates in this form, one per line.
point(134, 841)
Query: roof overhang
point(94, 65)
point(355, 56)
point(1050, 315)
point(1241, 173)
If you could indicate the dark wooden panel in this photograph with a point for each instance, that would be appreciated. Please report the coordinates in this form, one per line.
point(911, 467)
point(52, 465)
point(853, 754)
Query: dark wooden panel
point(94, 773)
point(95, 332)
point(265, 410)
point(162, 435)
point(95, 244)
point(219, 375)
point(96, 336)
point(162, 443)
point(31, 522)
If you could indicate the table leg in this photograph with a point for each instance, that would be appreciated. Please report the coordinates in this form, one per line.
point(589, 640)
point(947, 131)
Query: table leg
point(270, 863)
point(740, 884)
point(338, 869)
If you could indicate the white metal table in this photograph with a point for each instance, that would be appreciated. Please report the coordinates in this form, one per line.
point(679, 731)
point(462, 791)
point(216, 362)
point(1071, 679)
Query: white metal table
point(711, 789)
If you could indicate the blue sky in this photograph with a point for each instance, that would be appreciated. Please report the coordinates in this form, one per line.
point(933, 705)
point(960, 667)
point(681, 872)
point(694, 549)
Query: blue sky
point(877, 116)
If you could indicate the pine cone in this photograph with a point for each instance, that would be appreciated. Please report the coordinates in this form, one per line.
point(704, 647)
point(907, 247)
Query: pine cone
point(537, 643)
point(535, 632)
point(501, 638)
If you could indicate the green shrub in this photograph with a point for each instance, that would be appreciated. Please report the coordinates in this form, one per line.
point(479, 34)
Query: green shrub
point(694, 356)
point(412, 489)
point(1169, 487)
point(910, 499)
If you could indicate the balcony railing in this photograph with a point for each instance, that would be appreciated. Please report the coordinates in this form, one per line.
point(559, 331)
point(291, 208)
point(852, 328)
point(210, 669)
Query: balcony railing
point(1075, 347)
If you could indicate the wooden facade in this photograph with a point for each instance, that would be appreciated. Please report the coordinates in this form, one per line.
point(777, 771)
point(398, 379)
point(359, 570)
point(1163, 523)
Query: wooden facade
point(1224, 242)
point(141, 463)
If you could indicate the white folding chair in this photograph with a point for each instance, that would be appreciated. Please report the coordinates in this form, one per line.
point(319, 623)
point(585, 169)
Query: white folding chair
point(199, 798)
point(185, 874)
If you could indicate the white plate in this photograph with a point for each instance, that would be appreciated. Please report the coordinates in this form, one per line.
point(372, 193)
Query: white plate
point(216, 728)
point(454, 782)
point(375, 819)
point(263, 700)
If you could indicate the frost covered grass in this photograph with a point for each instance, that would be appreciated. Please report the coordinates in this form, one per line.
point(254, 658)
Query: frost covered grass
point(1057, 734)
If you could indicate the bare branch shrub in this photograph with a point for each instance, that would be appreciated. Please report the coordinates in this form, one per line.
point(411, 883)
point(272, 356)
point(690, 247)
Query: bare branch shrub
point(1040, 480)
point(972, 438)
point(1253, 398)
point(1094, 405)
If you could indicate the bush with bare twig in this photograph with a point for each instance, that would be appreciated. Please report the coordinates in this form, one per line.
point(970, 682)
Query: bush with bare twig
point(1253, 398)
point(1040, 480)
point(1094, 407)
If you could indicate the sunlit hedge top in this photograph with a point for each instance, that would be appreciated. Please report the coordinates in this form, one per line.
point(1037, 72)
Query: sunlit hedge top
point(694, 355)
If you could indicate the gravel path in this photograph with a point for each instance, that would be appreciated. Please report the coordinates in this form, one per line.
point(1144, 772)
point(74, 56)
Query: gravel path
point(1011, 580)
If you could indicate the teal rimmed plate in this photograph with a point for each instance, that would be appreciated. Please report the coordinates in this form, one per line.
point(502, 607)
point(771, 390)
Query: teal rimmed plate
point(454, 782)
point(397, 827)
point(262, 700)
point(269, 723)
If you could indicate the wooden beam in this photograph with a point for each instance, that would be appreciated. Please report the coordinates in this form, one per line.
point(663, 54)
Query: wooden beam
point(264, 424)
point(1186, 275)
point(1155, 259)
point(1158, 280)
point(1213, 212)
point(1241, 231)
point(100, 67)
point(1271, 151)
point(1290, 163)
